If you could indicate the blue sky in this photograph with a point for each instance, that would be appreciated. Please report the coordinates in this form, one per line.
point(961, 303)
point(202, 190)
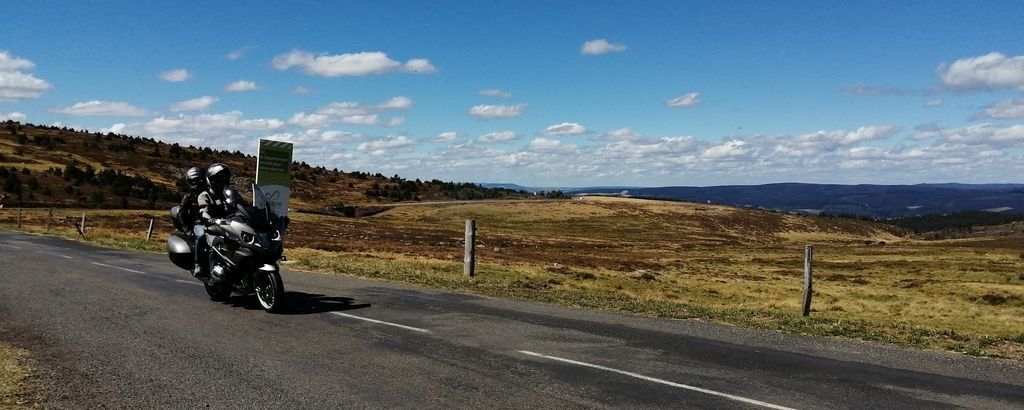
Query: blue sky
point(545, 93)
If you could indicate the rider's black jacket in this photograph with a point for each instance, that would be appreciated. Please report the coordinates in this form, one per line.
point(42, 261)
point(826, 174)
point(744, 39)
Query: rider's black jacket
point(188, 209)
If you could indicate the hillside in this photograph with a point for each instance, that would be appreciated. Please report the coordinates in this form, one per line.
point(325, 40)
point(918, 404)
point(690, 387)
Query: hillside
point(51, 166)
point(876, 201)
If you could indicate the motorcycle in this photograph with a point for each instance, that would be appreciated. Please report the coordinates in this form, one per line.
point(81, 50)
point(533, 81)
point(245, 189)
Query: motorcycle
point(243, 249)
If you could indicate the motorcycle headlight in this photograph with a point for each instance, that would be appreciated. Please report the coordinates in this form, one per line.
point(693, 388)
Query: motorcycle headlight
point(275, 235)
point(248, 238)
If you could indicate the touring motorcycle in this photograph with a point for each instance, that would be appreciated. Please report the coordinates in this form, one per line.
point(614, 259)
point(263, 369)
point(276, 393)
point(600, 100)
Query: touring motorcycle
point(244, 249)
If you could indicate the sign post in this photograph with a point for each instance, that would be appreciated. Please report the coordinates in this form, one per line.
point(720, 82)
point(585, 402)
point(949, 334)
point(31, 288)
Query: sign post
point(274, 176)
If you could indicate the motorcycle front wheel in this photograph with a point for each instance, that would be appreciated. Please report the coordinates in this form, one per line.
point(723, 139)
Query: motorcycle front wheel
point(270, 291)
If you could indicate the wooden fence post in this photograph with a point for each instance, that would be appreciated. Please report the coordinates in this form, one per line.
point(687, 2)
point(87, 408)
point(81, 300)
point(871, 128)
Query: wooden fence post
point(808, 278)
point(149, 232)
point(469, 267)
point(81, 226)
point(49, 219)
point(19, 218)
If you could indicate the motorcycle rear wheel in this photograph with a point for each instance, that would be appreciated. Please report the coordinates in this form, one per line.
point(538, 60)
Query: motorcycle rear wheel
point(270, 291)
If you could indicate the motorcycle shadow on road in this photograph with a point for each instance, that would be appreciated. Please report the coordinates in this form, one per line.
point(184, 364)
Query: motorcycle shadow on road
point(302, 303)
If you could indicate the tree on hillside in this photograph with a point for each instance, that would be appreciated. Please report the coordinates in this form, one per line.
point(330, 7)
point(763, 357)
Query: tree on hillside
point(175, 151)
point(97, 198)
point(12, 184)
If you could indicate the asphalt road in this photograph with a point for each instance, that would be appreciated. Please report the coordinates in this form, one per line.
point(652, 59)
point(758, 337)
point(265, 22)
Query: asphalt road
point(121, 329)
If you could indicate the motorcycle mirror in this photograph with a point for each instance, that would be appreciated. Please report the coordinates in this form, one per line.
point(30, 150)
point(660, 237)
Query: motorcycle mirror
point(232, 197)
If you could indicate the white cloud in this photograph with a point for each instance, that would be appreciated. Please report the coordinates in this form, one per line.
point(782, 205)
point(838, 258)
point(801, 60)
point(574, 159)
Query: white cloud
point(382, 146)
point(343, 108)
point(823, 142)
point(601, 46)
point(229, 130)
point(549, 145)
point(621, 134)
point(500, 136)
point(353, 113)
point(349, 64)
point(13, 116)
point(986, 135)
point(935, 102)
point(301, 90)
point(241, 85)
point(565, 128)
point(196, 104)
point(644, 154)
point(319, 147)
point(731, 148)
point(238, 53)
point(231, 121)
point(9, 62)
point(860, 155)
point(314, 138)
point(445, 137)
point(118, 128)
point(340, 136)
point(1009, 109)
point(103, 108)
point(310, 120)
point(494, 92)
point(497, 111)
point(396, 103)
point(991, 71)
point(685, 101)
point(17, 85)
point(861, 89)
point(419, 65)
point(321, 120)
point(360, 119)
point(175, 76)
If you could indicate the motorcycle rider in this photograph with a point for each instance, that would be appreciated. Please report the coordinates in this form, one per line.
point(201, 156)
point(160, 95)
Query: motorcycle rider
point(212, 207)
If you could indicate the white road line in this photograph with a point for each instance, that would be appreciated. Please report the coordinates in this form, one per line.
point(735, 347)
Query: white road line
point(381, 322)
point(188, 282)
point(665, 382)
point(118, 267)
point(63, 256)
point(10, 246)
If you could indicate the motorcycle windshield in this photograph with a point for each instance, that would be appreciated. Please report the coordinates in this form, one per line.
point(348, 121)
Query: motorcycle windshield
point(260, 202)
point(259, 197)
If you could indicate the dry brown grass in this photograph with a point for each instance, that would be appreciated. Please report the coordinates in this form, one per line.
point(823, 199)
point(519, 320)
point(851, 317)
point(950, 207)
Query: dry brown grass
point(680, 260)
point(18, 388)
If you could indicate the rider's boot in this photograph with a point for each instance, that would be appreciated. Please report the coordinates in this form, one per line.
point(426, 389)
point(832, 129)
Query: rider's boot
point(199, 272)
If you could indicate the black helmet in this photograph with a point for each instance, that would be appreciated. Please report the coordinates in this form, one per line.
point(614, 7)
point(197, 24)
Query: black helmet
point(195, 178)
point(218, 176)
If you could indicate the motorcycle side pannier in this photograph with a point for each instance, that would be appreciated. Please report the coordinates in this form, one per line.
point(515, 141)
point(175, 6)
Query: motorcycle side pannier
point(179, 251)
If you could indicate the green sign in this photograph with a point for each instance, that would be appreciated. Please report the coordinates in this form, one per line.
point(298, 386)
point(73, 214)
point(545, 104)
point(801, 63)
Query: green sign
point(274, 164)
point(274, 173)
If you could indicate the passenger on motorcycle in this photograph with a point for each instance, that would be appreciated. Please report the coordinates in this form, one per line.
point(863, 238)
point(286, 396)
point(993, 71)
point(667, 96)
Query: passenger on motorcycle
point(188, 210)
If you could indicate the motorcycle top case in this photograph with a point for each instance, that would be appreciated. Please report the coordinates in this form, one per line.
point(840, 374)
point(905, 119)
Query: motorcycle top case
point(180, 252)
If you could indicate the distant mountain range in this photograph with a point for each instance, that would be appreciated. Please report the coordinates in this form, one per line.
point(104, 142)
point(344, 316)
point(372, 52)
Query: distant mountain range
point(877, 201)
point(517, 187)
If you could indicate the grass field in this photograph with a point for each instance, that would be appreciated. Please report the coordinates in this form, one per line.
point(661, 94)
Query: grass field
point(665, 259)
point(17, 387)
